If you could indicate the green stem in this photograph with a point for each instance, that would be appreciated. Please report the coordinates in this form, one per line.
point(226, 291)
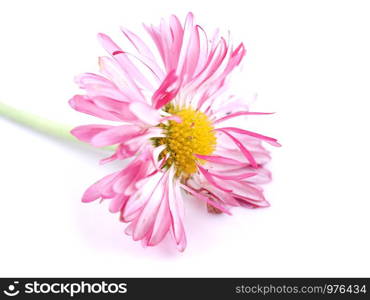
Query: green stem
point(37, 123)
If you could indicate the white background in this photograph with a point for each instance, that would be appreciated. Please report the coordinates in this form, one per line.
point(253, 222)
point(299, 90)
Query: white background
point(307, 60)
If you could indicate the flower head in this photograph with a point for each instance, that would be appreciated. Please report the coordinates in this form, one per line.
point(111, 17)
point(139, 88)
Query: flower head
point(169, 113)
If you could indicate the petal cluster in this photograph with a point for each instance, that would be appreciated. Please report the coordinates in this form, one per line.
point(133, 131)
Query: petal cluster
point(185, 69)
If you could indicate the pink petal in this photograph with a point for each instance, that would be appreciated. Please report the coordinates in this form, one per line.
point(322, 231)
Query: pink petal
point(214, 61)
point(203, 47)
point(115, 135)
point(166, 92)
point(121, 79)
point(233, 177)
point(145, 51)
point(145, 113)
point(85, 105)
point(121, 109)
point(244, 150)
point(117, 203)
point(127, 177)
point(161, 224)
point(156, 36)
point(248, 193)
point(86, 133)
point(141, 196)
point(147, 217)
point(267, 139)
point(176, 206)
point(240, 113)
point(220, 159)
point(261, 156)
point(206, 199)
point(123, 151)
point(189, 53)
point(211, 180)
point(177, 33)
point(128, 69)
point(96, 85)
point(94, 192)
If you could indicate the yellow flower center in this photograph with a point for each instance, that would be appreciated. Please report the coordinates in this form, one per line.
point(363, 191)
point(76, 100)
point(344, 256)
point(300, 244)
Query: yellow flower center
point(194, 135)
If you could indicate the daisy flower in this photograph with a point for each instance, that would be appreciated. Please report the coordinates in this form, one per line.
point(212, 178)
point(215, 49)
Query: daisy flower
point(170, 102)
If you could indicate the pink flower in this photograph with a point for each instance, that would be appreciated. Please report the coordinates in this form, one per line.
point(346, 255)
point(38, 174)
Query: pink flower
point(170, 113)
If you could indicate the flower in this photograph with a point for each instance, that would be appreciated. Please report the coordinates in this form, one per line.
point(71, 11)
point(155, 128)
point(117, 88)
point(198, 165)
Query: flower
point(170, 113)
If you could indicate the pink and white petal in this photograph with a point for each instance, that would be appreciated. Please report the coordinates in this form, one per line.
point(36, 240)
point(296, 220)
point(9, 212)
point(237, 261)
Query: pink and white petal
point(121, 79)
point(119, 108)
point(262, 176)
point(228, 105)
point(86, 105)
point(249, 193)
point(242, 148)
point(182, 244)
point(144, 67)
point(145, 51)
point(158, 163)
point(156, 37)
point(226, 199)
point(223, 142)
point(129, 71)
point(164, 37)
point(94, 192)
point(166, 91)
point(115, 135)
point(137, 70)
point(117, 203)
point(237, 114)
point(147, 217)
point(161, 224)
point(227, 172)
point(142, 172)
point(261, 157)
point(145, 113)
point(212, 180)
point(233, 59)
point(207, 99)
point(135, 171)
point(130, 227)
point(267, 139)
point(96, 85)
point(134, 145)
point(177, 32)
point(176, 207)
point(228, 176)
point(109, 159)
point(221, 160)
point(127, 178)
point(203, 49)
point(189, 54)
point(124, 151)
point(206, 199)
point(86, 133)
point(215, 60)
point(138, 200)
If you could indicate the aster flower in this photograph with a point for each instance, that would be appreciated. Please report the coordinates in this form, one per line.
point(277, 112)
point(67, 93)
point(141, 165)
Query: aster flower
point(170, 114)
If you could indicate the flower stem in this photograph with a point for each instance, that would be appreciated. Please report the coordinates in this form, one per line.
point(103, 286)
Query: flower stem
point(38, 123)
